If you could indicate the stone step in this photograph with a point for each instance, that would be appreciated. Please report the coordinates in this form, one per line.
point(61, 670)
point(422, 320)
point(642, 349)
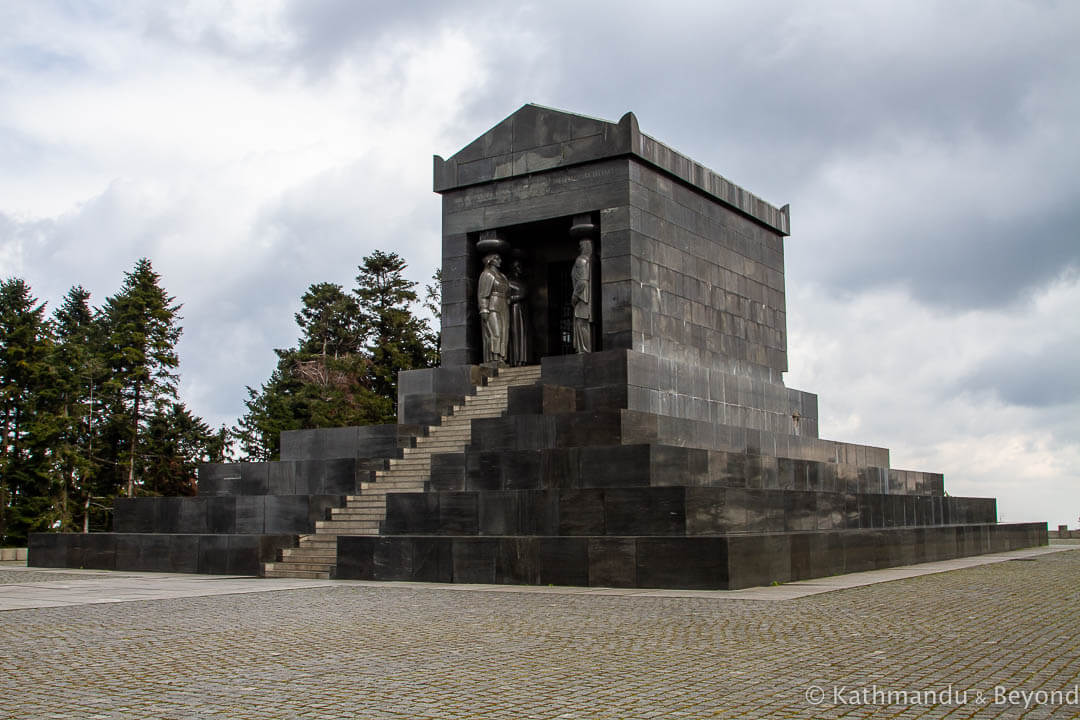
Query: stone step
point(301, 566)
point(410, 477)
point(351, 531)
point(305, 555)
point(313, 541)
point(445, 436)
point(512, 378)
point(391, 483)
point(435, 444)
point(459, 438)
point(416, 468)
point(437, 447)
point(349, 514)
point(304, 574)
point(383, 490)
point(344, 525)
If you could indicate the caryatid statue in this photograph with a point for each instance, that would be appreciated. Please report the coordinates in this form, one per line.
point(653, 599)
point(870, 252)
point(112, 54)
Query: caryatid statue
point(520, 347)
point(492, 295)
point(581, 278)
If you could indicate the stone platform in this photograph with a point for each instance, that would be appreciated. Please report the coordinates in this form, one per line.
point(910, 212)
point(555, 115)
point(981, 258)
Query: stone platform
point(245, 513)
point(572, 487)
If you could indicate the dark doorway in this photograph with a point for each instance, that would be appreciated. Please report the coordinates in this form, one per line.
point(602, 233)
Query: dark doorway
point(560, 308)
point(547, 254)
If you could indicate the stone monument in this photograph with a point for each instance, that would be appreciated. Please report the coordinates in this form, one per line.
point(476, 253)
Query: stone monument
point(660, 446)
point(654, 445)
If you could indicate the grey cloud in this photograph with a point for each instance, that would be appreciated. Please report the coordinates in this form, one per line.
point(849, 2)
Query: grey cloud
point(949, 260)
point(328, 31)
point(1047, 377)
point(773, 98)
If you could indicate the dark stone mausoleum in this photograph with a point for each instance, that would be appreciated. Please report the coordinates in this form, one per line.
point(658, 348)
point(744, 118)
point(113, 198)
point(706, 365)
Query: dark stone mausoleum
point(669, 455)
point(673, 455)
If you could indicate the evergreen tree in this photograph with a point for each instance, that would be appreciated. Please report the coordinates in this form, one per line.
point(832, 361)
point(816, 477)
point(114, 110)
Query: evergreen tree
point(25, 345)
point(76, 369)
point(343, 370)
point(320, 383)
point(433, 304)
point(140, 341)
point(174, 443)
point(330, 322)
point(396, 339)
point(270, 410)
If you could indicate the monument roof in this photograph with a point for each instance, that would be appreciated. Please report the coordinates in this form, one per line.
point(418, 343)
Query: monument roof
point(536, 139)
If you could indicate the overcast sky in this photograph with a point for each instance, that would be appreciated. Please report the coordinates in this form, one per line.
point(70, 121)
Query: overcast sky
point(929, 152)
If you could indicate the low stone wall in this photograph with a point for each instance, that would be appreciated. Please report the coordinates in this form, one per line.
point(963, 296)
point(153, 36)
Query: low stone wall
point(235, 554)
point(1064, 533)
point(729, 562)
point(12, 554)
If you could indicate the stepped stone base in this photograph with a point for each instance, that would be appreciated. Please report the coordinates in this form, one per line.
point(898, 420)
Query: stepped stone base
point(246, 514)
point(724, 562)
point(218, 554)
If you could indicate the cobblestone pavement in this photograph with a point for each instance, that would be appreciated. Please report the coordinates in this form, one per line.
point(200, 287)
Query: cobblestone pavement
point(348, 651)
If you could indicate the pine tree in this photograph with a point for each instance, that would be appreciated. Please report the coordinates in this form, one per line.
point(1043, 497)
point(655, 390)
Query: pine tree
point(396, 339)
point(174, 443)
point(140, 341)
point(330, 322)
point(76, 369)
point(433, 304)
point(319, 383)
point(343, 369)
point(25, 345)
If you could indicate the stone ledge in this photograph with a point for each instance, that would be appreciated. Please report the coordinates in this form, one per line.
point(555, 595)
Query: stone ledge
point(718, 562)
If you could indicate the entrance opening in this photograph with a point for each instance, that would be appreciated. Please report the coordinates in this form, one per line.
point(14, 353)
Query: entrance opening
point(547, 252)
point(560, 308)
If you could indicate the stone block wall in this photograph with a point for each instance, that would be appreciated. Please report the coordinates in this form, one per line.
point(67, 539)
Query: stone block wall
point(669, 511)
point(706, 283)
point(727, 562)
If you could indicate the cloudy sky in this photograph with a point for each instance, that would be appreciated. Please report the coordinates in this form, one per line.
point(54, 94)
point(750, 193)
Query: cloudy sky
point(929, 152)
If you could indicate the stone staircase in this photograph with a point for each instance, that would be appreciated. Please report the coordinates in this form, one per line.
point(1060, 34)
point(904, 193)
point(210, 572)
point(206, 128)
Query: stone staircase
point(363, 514)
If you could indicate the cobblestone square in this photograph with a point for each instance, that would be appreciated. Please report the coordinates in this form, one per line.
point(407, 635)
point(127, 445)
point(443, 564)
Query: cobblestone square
point(996, 640)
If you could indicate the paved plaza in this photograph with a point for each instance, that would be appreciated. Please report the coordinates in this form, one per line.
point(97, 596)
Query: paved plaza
point(981, 637)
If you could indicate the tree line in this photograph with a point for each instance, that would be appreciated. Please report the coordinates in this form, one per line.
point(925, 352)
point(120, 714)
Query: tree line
point(88, 395)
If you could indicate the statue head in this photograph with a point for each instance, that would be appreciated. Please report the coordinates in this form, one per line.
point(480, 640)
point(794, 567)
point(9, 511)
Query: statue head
point(517, 269)
point(585, 246)
point(492, 259)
